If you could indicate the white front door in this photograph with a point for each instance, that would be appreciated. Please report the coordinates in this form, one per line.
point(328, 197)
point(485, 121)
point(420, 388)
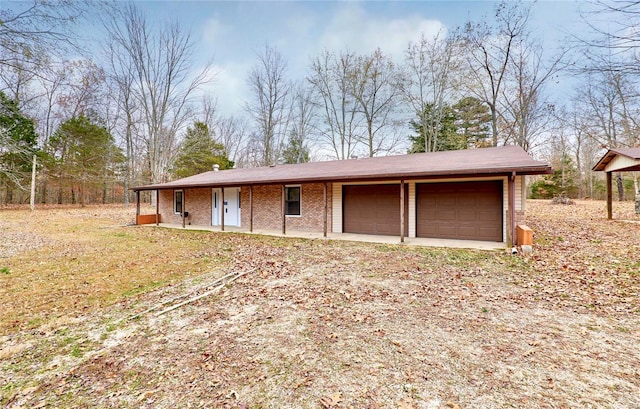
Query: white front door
point(231, 207)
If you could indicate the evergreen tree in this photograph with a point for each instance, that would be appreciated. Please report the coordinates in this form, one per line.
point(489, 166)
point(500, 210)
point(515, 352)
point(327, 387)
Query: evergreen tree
point(561, 182)
point(438, 128)
point(461, 126)
point(473, 121)
point(295, 151)
point(17, 145)
point(84, 156)
point(199, 152)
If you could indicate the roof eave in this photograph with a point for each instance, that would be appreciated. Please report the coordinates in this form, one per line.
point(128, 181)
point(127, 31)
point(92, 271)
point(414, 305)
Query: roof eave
point(532, 170)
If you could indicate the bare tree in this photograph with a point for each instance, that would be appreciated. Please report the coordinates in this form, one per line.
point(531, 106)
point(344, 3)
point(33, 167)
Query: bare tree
point(84, 82)
point(613, 56)
point(489, 51)
point(330, 78)
point(303, 116)
point(429, 81)
point(127, 119)
point(163, 83)
point(611, 105)
point(31, 27)
point(526, 113)
point(374, 85)
point(615, 25)
point(232, 133)
point(269, 107)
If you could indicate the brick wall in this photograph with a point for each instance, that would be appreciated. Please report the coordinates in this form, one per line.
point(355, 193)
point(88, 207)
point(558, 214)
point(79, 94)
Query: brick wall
point(196, 201)
point(267, 208)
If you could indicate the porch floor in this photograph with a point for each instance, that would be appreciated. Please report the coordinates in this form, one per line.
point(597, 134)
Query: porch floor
point(369, 238)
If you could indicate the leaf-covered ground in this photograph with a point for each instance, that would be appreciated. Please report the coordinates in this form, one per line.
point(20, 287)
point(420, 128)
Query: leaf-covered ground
point(315, 323)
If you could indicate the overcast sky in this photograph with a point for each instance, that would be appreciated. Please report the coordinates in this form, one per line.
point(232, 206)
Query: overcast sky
point(229, 33)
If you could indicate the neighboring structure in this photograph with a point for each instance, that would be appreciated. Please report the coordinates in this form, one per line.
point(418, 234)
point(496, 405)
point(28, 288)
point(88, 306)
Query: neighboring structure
point(617, 160)
point(476, 194)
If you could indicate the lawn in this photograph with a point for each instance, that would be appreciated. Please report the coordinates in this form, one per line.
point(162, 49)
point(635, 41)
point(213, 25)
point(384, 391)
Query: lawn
point(316, 323)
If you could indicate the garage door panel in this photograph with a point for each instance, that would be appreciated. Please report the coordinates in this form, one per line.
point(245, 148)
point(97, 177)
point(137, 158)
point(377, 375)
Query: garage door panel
point(446, 216)
point(373, 209)
point(467, 231)
point(488, 232)
point(446, 230)
point(467, 215)
point(460, 210)
point(489, 216)
point(446, 201)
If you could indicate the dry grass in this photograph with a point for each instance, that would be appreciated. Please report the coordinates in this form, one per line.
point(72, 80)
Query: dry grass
point(319, 323)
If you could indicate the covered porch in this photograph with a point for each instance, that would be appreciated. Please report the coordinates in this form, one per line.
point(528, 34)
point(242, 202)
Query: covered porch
point(363, 238)
point(618, 160)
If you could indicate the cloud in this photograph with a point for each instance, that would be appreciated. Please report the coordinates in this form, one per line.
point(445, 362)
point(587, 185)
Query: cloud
point(213, 30)
point(353, 28)
point(230, 87)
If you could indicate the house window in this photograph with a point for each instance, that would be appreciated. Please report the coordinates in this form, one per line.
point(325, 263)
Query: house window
point(292, 200)
point(177, 201)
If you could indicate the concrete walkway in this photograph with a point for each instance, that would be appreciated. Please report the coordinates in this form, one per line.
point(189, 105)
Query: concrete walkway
point(368, 238)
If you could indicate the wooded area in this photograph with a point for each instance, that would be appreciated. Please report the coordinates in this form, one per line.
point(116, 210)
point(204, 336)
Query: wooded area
point(133, 112)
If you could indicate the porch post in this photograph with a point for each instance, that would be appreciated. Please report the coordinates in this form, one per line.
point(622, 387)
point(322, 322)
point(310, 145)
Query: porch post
point(157, 207)
point(609, 196)
point(184, 204)
point(251, 208)
point(402, 211)
point(324, 214)
point(137, 205)
point(222, 209)
point(512, 210)
point(284, 212)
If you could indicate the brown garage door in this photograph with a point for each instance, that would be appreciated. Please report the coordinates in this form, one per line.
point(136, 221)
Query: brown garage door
point(372, 209)
point(459, 210)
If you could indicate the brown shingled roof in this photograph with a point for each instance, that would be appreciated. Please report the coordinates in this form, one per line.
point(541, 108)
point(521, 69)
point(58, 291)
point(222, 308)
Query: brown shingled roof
point(471, 162)
point(632, 153)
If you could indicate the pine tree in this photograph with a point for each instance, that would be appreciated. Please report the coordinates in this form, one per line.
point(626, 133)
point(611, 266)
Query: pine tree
point(199, 152)
point(84, 156)
point(17, 145)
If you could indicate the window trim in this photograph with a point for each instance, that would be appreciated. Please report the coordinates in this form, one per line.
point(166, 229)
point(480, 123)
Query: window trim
point(286, 201)
point(175, 201)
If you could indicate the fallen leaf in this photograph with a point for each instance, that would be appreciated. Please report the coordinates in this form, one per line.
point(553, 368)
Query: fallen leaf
point(330, 401)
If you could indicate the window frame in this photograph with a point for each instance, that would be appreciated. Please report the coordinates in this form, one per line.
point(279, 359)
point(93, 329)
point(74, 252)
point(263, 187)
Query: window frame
point(175, 201)
point(287, 201)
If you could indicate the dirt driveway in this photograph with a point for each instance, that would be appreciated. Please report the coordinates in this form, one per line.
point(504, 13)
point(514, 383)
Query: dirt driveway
point(314, 323)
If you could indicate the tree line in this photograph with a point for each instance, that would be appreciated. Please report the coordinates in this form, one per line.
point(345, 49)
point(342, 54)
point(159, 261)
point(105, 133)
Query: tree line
point(136, 113)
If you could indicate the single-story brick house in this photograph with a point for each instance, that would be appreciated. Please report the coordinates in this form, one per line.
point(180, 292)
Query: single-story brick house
point(476, 194)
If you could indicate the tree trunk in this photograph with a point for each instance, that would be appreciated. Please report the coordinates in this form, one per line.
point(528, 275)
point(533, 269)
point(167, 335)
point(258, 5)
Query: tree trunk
point(620, 187)
point(44, 191)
